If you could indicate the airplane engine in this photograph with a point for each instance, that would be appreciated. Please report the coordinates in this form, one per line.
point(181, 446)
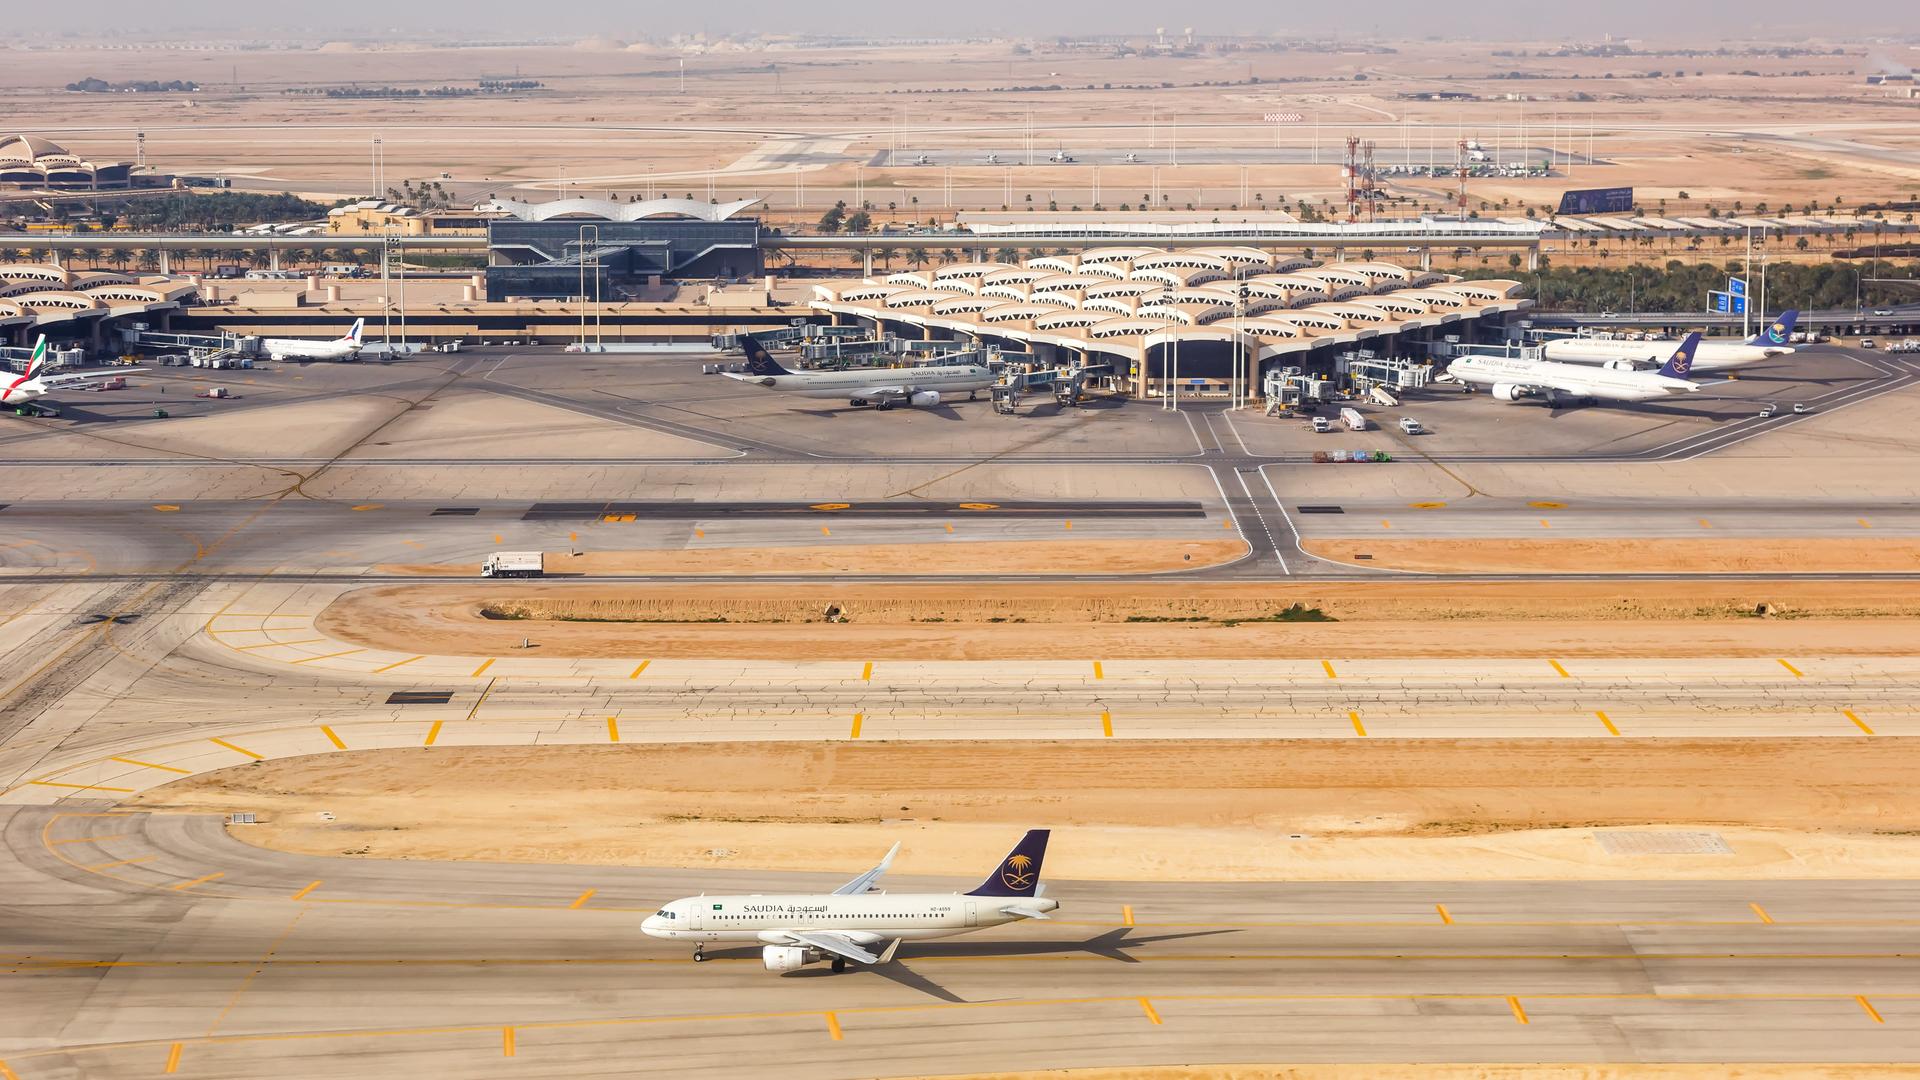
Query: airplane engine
point(783, 957)
point(1509, 392)
point(923, 398)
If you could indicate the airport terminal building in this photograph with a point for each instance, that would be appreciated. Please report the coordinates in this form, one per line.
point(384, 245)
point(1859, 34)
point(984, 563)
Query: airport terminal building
point(613, 250)
point(1194, 315)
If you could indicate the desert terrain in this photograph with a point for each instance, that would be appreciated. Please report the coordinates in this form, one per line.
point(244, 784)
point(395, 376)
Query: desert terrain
point(1016, 620)
point(805, 127)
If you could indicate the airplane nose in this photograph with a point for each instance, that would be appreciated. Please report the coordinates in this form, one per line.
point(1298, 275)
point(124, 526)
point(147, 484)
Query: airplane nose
point(651, 925)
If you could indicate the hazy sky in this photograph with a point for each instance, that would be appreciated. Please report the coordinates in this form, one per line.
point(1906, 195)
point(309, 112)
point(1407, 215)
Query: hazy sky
point(1586, 19)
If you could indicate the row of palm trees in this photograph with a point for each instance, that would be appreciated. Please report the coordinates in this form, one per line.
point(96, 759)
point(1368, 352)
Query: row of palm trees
point(148, 259)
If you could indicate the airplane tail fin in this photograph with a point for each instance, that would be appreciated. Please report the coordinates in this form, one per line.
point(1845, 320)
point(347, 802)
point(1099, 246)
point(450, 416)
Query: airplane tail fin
point(1681, 362)
point(354, 335)
point(1019, 873)
point(759, 360)
point(39, 357)
point(1778, 333)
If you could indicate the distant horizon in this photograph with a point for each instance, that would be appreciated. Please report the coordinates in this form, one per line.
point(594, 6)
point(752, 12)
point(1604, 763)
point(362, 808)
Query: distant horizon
point(1385, 20)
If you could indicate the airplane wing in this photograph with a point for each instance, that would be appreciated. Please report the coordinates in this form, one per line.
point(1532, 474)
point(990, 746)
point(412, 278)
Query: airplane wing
point(840, 945)
point(872, 392)
point(1024, 912)
point(865, 881)
point(70, 378)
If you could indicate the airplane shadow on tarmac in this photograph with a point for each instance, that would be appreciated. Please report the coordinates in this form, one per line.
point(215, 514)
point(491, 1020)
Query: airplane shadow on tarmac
point(1114, 945)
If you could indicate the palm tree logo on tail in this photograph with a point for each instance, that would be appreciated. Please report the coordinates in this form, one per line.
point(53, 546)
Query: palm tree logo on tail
point(1018, 872)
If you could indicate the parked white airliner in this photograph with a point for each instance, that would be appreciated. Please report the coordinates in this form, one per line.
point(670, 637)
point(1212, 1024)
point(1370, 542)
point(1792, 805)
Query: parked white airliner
point(1512, 379)
point(304, 349)
point(854, 923)
point(17, 390)
point(883, 388)
point(1641, 355)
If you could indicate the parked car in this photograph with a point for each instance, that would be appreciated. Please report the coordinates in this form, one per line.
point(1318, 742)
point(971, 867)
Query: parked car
point(1322, 425)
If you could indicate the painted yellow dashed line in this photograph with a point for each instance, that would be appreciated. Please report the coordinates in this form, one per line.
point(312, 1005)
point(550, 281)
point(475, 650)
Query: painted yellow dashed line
point(1562, 671)
point(482, 669)
point(302, 894)
point(1762, 913)
point(857, 718)
point(1519, 1013)
point(1446, 917)
point(613, 729)
point(152, 765)
point(433, 733)
point(1328, 666)
point(326, 656)
point(635, 673)
point(1097, 673)
point(1358, 728)
point(1796, 671)
point(581, 900)
point(238, 749)
point(80, 787)
point(1857, 722)
point(398, 663)
point(1611, 730)
point(1106, 723)
point(833, 1027)
point(1153, 1016)
point(199, 881)
point(332, 738)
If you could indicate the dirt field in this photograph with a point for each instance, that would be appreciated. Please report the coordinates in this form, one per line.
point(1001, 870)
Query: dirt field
point(989, 557)
point(1471, 1073)
point(616, 113)
point(1254, 810)
point(1088, 619)
point(1650, 556)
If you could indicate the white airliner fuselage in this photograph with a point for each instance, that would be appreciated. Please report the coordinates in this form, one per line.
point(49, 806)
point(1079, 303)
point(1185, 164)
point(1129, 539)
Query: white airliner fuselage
point(879, 386)
point(1713, 355)
point(1512, 380)
point(855, 924)
point(304, 349)
point(868, 919)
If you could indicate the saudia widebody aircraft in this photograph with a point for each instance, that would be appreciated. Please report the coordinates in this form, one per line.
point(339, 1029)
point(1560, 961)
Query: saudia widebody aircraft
point(1640, 355)
point(855, 923)
point(1510, 379)
point(882, 388)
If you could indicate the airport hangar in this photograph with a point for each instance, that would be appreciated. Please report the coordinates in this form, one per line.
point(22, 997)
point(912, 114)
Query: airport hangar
point(1198, 315)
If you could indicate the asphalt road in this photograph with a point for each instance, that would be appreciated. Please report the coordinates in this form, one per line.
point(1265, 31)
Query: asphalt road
point(138, 946)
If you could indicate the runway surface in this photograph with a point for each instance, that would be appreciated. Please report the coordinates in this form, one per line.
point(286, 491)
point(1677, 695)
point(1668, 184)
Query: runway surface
point(140, 946)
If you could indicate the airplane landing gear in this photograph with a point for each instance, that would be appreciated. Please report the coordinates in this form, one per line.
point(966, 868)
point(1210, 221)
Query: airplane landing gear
point(883, 405)
point(839, 965)
point(699, 952)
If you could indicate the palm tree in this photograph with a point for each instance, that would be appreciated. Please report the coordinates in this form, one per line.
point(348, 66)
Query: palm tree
point(149, 260)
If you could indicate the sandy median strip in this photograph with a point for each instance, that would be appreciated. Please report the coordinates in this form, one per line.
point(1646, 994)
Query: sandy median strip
point(997, 558)
point(1411, 809)
point(1014, 620)
point(1623, 555)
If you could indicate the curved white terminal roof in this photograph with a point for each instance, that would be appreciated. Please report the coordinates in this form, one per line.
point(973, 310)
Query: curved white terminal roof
point(610, 210)
point(1081, 302)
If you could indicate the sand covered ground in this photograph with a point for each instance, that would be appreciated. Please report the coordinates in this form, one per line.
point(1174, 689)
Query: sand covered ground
point(1646, 555)
point(1250, 810)
point(994, 558)
point(1015, 620)
point(1469, 1073)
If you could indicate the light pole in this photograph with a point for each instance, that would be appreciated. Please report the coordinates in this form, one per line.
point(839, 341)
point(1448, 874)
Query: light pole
point(589, 258)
